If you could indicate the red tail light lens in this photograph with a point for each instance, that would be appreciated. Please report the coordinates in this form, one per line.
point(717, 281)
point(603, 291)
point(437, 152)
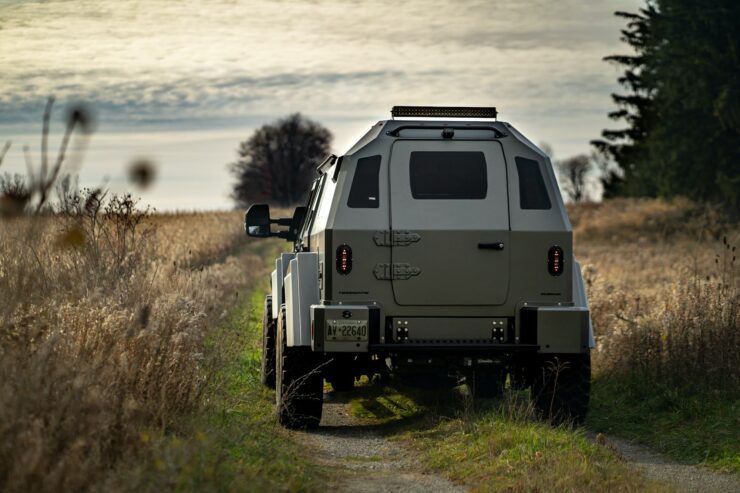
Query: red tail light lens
point(555, 261)
point(344, 259)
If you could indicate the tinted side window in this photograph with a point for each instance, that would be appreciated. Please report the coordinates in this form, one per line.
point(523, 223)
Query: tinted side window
point(365, 184)
point(532, 190)
point(325, 200)
point(312, 205)
point(448, 175)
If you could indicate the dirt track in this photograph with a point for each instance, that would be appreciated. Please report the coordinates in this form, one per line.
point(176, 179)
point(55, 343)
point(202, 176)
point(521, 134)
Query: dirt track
point(684, 477)
point(372, 462)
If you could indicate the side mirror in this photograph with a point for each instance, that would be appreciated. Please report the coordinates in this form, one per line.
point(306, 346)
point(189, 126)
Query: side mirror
point(257, 221)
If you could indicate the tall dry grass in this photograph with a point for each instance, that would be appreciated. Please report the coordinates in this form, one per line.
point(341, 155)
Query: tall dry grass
point(664, 292)
point(102, 321)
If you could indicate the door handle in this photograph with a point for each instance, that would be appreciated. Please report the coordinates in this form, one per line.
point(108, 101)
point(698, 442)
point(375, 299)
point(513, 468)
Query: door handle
point(499, 245)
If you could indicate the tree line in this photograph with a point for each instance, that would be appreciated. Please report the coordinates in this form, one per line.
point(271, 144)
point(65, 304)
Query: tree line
point(681, 103)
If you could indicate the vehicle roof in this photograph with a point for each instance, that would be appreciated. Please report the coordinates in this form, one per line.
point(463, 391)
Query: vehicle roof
point(383, 128)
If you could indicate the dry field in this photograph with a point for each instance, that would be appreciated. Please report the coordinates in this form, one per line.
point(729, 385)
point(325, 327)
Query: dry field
point(102, 323)
point(665, 298)
point(105, 316)
point(664, 290)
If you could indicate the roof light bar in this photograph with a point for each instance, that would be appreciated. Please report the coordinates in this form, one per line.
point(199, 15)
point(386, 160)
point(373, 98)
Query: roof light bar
point(445, 111)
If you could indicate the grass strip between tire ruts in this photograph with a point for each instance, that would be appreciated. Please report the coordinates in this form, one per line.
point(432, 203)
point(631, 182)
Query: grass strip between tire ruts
point(493, 445)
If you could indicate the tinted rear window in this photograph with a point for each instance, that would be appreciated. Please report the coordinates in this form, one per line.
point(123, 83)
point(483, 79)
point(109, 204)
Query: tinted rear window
point(448, 175)
point(532, 190)
point(365, 184)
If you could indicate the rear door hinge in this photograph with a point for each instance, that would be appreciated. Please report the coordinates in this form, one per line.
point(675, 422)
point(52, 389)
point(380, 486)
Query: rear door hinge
point(395, 272)
point(395, 238)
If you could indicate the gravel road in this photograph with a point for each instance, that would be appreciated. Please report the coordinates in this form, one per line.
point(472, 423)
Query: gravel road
point(683, 477)
point(371, 461)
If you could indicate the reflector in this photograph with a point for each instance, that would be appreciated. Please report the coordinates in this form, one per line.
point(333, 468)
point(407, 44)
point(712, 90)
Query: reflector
point(445, 111)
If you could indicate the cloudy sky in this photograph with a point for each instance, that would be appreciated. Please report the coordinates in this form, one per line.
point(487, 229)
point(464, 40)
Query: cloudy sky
point(182, 82)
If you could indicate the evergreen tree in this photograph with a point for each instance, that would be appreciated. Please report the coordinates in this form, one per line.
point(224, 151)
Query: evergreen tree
point(682, 101)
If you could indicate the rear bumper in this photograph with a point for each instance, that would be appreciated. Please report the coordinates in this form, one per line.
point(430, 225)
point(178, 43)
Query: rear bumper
point(451, 348)
point(556, 329)
point(542, 329)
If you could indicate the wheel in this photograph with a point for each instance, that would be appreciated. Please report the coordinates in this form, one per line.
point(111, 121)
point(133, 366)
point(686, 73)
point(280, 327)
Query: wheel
point(562, 387)
point(267, 368)
point(299, 384)
point(342, 382)
point(488, 383)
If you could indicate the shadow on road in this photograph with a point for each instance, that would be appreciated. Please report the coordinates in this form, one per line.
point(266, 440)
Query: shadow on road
point(389, 408)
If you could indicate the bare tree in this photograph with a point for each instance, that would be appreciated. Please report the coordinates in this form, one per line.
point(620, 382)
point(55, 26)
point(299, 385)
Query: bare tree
point(574, 172)
point(610, 174)
point(277, 162)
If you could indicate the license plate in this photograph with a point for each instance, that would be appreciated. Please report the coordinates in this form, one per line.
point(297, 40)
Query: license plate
point(346, 330)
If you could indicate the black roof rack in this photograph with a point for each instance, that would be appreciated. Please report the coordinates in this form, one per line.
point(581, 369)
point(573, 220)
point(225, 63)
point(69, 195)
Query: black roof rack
point(444, 111)
point(448, 130)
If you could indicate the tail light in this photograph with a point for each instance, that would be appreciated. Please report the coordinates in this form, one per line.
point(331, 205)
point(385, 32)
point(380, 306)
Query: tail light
point(344, 259)
point(555, 261)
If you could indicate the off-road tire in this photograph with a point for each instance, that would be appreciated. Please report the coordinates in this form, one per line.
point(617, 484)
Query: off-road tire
point(488, 383)
point(562, 387)
point(343, 382)
point(267, 368)
point(299, 384)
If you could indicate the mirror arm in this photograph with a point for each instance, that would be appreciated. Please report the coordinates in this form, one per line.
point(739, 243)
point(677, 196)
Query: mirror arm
point(285, 235)
point(282, 222)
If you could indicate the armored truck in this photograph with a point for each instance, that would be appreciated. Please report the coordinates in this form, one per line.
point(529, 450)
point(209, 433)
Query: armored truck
point(437, 250)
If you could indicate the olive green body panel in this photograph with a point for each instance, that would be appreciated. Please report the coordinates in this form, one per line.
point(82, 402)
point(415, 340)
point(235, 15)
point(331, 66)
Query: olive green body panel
point(450, 269)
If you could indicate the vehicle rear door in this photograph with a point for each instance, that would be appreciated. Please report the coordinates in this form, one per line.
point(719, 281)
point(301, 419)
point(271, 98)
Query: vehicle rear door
point(450, 223)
